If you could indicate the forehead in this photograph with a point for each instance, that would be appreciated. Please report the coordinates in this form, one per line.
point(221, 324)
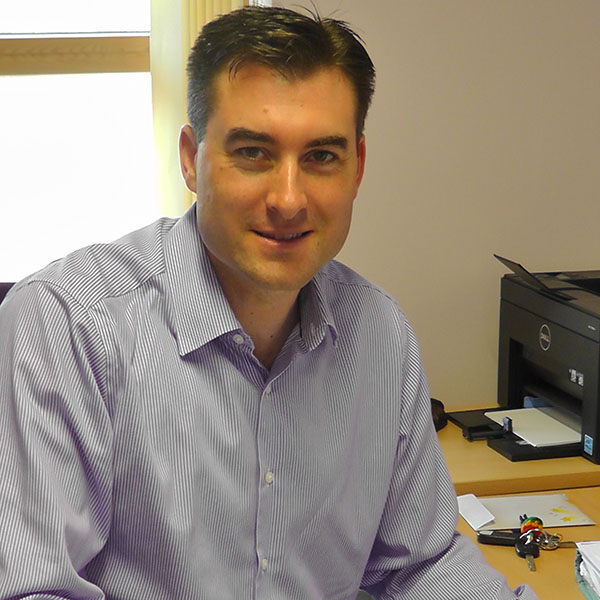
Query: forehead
point(257, 97)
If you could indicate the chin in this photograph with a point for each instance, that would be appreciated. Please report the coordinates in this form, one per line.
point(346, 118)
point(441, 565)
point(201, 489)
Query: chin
point(283, 284)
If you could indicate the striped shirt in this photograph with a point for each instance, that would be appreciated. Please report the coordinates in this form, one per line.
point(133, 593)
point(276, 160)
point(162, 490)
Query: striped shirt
point(146, 454)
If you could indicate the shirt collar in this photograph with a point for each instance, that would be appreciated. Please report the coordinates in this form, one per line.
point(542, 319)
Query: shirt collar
point(202, 312)
point(316, 318)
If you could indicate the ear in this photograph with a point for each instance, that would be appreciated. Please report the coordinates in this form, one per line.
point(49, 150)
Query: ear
point(188, 148)
point(361, 158)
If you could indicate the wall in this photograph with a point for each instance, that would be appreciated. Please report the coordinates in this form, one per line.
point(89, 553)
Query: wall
point(484, 137)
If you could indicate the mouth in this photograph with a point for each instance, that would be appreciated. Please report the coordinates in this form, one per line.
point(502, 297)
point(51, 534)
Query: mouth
point(281, 237)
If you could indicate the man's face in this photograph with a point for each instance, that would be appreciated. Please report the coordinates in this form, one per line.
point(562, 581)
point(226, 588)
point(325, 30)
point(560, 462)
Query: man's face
point(276, 176)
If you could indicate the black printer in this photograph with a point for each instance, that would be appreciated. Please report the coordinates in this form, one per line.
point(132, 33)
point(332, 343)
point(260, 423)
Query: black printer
point(549, 353)
point(549, 348)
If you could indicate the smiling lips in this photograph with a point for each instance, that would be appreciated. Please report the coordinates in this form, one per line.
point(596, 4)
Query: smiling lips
point(281, 237)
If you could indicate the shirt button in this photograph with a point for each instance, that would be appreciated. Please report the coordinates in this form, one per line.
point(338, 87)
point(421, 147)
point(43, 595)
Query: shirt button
point(264, 564)
point(238, 339)
point(269, 477)
point(268, 389)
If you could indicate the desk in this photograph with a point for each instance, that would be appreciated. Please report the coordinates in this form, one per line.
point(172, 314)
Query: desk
point(555, 574)
point(477, 469)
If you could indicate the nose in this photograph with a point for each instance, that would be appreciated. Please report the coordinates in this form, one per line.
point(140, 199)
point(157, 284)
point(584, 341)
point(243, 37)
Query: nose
point(286, 196)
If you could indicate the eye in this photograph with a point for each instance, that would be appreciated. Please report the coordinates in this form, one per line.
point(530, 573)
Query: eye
point(252, 153)
point(322, 156)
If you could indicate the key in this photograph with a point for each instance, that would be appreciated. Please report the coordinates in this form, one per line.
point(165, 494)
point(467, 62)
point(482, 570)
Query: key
point(528, 550)
point(552, 541)
point(505, 537)
point(554, 544)
point(565, 544)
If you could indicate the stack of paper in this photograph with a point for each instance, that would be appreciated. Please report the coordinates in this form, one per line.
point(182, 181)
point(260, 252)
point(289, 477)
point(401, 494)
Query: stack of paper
point(537, 426)
point(589, 567)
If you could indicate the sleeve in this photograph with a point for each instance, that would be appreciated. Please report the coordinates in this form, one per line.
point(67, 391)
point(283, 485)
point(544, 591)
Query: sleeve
point(417, 553)
point(55, 446)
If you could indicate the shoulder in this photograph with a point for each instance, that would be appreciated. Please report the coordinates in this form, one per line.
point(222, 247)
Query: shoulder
point(361, 307)
point(344, 288)
point(99, 271)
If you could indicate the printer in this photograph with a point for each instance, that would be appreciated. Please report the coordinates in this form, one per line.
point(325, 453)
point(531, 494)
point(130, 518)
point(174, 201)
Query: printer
point(549, 351)
point(548, 362)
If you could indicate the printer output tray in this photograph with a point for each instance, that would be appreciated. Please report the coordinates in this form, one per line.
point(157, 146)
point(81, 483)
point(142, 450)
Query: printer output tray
point(515, 449)
point(476, 426)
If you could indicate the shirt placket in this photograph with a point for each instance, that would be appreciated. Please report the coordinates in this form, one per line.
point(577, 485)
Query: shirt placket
point(268, 515)
point(267, 480)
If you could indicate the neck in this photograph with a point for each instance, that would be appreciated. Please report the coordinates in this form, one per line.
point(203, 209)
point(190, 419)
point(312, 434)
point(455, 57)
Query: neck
point(268, 317)
point(269, 325)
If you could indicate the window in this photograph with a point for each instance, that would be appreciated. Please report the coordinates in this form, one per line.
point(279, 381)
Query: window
point(74, 16)
point(77, 149)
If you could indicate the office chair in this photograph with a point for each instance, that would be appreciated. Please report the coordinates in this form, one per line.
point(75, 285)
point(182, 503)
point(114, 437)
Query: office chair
point(4, 287)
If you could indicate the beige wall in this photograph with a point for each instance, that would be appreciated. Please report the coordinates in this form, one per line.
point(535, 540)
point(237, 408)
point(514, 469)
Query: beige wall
point(484, 137)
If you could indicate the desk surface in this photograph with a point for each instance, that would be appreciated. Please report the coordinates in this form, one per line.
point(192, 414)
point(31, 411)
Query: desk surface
point(477, 469)
point(555, 570)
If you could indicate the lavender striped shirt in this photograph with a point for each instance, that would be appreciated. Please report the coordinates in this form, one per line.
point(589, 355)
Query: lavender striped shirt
point(145, 454)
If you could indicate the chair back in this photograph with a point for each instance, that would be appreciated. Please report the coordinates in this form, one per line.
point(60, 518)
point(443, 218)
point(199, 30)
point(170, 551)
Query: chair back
point(4, 287)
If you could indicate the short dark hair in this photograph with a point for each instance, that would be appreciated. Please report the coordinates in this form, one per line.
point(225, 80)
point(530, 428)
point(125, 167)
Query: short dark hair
point(294, 44)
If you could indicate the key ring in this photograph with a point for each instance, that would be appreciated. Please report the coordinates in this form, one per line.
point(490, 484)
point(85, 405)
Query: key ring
point(550, 541)
point(534, 535)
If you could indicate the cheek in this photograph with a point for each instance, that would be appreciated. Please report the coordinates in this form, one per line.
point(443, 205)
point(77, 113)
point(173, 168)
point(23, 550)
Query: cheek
point(338, 216)
point(345, 214)
point(234, 190)
point(336, 204)
point(226, 207)
point(343, 223)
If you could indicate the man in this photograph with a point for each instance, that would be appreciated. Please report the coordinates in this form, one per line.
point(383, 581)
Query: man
point(213, 408)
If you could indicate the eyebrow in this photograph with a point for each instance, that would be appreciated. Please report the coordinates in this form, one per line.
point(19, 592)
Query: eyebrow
point(331, 140)
point(238, 134)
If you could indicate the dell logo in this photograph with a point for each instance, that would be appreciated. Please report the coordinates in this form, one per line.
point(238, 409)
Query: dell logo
point(545, 338)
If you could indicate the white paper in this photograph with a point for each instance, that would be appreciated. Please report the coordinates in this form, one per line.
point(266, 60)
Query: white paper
point(554, 510)
point(590, 568)
point(473, 512)
point(536, 427)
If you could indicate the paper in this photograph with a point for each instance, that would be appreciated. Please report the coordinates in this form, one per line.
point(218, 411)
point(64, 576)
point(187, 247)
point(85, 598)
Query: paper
point(554, 510)
point(473, 512)
point(536, 427)
point(590, 568)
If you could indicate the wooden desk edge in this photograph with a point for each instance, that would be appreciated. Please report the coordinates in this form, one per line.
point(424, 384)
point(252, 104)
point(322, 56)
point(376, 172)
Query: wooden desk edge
point(493, 474)
point(532, 483)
